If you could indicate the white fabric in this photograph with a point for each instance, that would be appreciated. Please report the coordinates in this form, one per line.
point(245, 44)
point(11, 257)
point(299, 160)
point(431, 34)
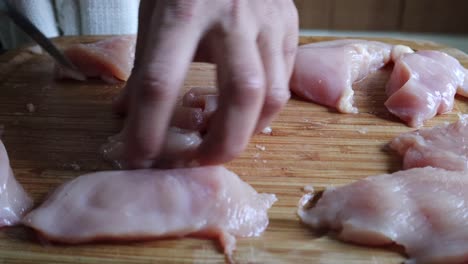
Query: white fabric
point(68, 16)
point(41, 14)
point(72, 17)
point(108, 16)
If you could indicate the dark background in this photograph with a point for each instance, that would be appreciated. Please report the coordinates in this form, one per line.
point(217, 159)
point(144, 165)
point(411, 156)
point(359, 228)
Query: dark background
point(436, 16)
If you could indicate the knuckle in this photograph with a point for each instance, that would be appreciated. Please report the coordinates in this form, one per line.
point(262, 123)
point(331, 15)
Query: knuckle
point(235, 9)
point(181, 10)
point(275, 101)
point(155, 88)
point(230, 19)
point(270, 13)
point(248, 91)
point(268, 44)
point(251, 87)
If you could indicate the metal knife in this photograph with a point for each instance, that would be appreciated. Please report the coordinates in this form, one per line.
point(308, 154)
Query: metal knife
point(32, 31)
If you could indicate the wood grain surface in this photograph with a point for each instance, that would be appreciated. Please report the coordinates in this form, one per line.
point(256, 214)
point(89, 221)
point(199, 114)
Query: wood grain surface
point(310, 145)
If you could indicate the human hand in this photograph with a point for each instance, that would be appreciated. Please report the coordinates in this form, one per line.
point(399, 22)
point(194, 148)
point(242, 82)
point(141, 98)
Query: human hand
point(253, 44)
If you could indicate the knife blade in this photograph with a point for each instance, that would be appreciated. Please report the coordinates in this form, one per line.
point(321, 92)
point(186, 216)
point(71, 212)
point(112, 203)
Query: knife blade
point(32, 31)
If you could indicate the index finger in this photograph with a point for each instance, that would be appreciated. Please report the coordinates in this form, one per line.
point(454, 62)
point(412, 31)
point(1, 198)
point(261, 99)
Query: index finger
point(154, 87)
point(145, 10)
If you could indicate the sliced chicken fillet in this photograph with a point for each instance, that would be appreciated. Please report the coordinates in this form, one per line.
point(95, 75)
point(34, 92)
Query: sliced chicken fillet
point(425, 210)
point(444, 146)
point(110, 59)
point(210, 202)
point(423, 84)
point(14, 201)
point(324, 72)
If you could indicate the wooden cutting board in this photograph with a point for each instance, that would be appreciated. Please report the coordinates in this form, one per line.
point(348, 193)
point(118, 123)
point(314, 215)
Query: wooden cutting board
point(310, 145)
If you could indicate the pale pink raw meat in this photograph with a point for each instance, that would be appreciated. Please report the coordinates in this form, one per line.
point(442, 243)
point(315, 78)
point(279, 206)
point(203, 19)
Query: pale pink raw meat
point(110, 59)
point(423, 209)
point(464, 89)
point(210, 202)
point(444, 146)
point(205, 98)
point(423, 84)
point(399, 51)
point(14, 201)
point(178, 150)
point(183, 137)
point(189, 118)
point(324, 72)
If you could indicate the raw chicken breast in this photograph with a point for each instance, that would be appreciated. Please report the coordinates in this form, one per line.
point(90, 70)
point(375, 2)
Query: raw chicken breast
point(324, 72)
point(208, 202)
point(110, 59)
point(183, 137)
point(424, 210)
point(463, 89)
point(14, 201)
point(444, 146)
point(178, 151)
point(422, 85)
point(198, 105)
point(189, 118)
point(205, 98)
point(399, 51)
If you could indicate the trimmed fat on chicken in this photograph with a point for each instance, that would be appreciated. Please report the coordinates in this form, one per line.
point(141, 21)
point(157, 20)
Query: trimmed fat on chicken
point(423, 209)
point(14, 201)
point(110, 59)
point(423, 84)
point(210, 202)
point(444, 146)
point(324, 72)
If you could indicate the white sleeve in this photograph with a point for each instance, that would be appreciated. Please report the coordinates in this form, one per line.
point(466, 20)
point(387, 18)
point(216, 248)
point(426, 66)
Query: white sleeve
point(68, 16)
point(105, 17)
point(40, 12)
point(72, 17)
